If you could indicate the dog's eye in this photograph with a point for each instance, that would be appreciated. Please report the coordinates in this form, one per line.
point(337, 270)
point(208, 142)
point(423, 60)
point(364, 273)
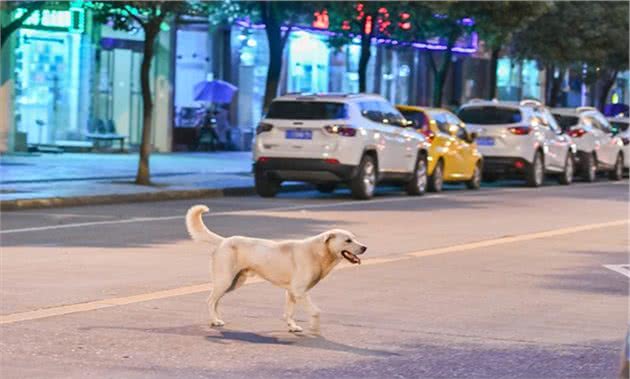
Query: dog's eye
point(348, 240)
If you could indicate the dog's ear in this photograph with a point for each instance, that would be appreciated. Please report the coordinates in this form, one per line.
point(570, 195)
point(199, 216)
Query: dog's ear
point(329, 237)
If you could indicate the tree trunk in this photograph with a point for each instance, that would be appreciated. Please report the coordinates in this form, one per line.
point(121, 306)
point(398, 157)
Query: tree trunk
point(604, 86)
point(440, 78)
point(14, 25)
point(494, 63)
point(366, 53)
point(151, 30)
point(553, 86)
point(273, 29)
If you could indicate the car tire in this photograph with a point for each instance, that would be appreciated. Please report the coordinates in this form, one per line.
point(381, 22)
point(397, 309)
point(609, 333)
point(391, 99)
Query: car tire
point(326, 187)
point(475, 181)
point(566, 177)
point(535, 175)
point(617, 172)
point(589, 168)
point(266, 186)
point(436, 180)
point(418, 184)
point(364, 183)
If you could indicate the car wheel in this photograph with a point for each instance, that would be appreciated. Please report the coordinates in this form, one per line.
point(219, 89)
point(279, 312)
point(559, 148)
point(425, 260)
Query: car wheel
point(475, 181)
point(418, 184)
point(326, 187)
point(589, 168)
point(266, 186)
point(363, 184)
point(535, 174)
point(436, 180)
point(567, 175)
point(617, 172)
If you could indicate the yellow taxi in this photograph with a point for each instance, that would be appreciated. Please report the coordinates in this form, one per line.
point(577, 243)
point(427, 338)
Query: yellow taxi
point(453, 156)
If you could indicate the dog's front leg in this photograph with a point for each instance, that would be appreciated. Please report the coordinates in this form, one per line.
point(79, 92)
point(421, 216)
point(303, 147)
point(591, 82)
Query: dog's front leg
point(314, 312)
point(289, 312)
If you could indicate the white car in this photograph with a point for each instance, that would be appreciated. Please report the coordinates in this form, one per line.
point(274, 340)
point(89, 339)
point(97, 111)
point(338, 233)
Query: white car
point(519, 139)
point(598, 149)
point(329, 139)
point(621, 130)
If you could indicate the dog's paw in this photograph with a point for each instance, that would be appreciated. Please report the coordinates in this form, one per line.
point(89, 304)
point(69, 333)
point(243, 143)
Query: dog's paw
point(217, 323)
point(295, 329)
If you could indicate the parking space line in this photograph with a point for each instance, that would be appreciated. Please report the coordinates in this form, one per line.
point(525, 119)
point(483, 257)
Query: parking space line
point(193, 289)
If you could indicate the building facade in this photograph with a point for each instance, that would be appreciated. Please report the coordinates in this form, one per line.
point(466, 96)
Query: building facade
point(65, 76)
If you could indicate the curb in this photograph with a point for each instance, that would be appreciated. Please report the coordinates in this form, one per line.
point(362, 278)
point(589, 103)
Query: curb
point(54, 202)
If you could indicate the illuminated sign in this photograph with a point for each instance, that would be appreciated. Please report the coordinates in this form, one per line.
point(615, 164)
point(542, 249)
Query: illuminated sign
point(72, 20)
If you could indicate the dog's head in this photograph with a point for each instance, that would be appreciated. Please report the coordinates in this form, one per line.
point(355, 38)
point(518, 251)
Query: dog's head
point(344, 244)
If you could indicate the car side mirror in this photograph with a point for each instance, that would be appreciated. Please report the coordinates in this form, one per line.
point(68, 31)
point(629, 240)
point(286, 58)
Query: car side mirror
point(472, 137)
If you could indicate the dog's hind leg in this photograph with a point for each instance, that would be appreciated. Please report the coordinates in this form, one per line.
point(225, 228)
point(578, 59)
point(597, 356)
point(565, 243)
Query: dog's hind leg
point(289, 312)
point(221, 284)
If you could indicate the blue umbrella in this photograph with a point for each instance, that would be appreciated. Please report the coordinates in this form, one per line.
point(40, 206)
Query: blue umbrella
point(214, 91)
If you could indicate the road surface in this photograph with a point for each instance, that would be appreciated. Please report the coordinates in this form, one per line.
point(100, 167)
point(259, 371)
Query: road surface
point(507, 281)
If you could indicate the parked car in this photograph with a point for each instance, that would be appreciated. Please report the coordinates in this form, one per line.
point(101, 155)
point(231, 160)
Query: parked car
point(453, 155)
point(330, 139)
point(598, 149)
point(620, 128)
point(519, 139)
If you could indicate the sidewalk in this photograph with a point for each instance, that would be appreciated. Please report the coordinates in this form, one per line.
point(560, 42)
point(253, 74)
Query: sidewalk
point(42, 180)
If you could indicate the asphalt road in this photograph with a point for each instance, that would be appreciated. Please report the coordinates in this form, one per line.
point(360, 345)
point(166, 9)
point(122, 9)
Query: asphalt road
point(507, 281)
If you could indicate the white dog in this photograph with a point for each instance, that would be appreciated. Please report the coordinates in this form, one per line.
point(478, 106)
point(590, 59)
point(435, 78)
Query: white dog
point(296, 266)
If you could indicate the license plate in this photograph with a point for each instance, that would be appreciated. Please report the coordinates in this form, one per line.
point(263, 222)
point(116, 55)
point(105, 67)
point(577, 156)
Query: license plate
point(485, 141)
point(298, 134)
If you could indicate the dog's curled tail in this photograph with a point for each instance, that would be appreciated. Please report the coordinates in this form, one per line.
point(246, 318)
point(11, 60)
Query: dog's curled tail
point(197, 229)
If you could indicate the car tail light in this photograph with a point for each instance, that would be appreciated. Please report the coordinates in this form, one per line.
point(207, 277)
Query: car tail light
point(519, 164)
point(342, 130)
point(263, 159)
point(520, 130)
point(331, 161)
point(625, 140)
point(577, 132)
point(263, 127)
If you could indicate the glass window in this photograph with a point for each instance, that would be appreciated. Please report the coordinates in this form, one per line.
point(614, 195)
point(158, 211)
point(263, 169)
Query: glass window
point(489, 115)
point(371, 111)
point(566, 122)
point(621, 126)
point(307, 110)
point(391, 114)
point(418, 119)
point(441, 122)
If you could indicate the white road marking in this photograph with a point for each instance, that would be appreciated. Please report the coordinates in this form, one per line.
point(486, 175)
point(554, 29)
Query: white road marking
point(189, 290)
point(212, 214)
point(289, 208)
point(622, 269)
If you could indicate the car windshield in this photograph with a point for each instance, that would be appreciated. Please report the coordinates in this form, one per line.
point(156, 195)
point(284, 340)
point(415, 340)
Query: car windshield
point(566, 122)
point(307, 110)
point(489, 115)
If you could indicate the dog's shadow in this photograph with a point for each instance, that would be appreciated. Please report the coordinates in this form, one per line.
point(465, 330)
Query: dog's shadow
point(224, 336)
point(301, 340)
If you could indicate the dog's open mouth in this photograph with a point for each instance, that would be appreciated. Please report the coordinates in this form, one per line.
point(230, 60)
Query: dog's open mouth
point(351, 257)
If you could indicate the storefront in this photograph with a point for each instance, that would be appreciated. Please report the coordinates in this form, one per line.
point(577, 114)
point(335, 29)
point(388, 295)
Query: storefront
point(518, 80)
point(51, 78)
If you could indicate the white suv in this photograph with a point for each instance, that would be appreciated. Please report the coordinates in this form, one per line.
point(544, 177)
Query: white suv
point(598, 149)
point(331, 139)
point(621, 129)
point(521, 139)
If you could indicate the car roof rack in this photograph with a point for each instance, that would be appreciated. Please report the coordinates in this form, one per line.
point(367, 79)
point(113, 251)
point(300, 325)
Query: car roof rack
point(531, 102)
point(585, 109)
